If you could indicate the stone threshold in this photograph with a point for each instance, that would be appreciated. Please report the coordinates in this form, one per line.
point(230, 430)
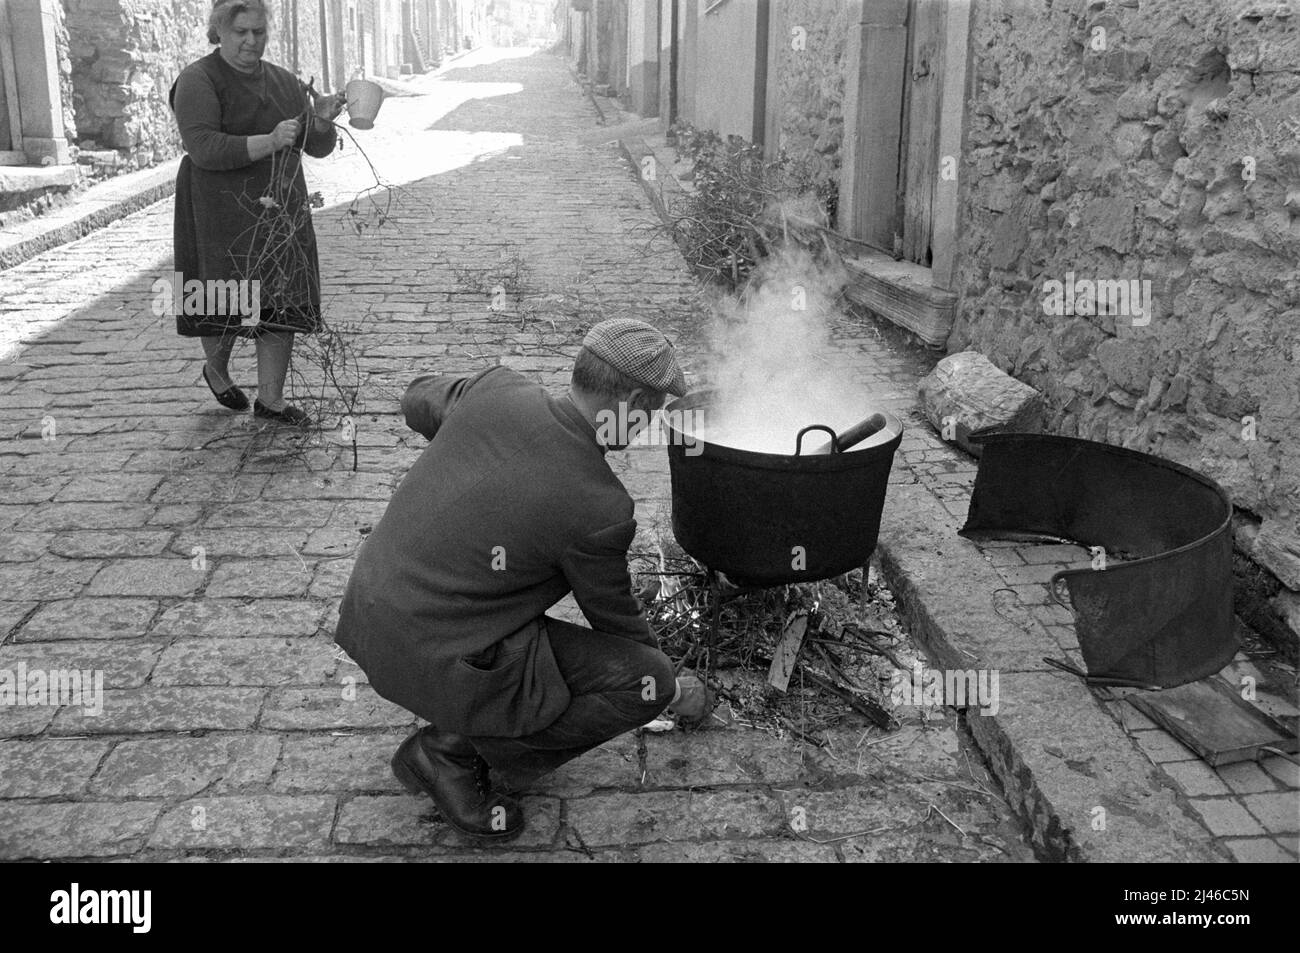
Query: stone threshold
point(33, 178)
point(903, 293)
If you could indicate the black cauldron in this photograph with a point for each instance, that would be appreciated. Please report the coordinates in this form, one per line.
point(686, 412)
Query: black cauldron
point(767, 519)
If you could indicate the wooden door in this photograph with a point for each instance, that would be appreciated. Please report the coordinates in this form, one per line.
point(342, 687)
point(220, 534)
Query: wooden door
point(919, 161)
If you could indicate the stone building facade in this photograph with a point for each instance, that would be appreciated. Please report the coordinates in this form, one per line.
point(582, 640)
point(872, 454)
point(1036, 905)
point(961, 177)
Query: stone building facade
point(1160, 143)
point(808, 67)
point(125, 54)
point(106, 66)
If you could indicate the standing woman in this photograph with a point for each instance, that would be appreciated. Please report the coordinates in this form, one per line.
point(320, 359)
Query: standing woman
point(241, 203)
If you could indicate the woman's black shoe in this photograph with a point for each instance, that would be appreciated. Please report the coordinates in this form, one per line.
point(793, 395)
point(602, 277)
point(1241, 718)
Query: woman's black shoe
point(231, 397)
point(291, 415)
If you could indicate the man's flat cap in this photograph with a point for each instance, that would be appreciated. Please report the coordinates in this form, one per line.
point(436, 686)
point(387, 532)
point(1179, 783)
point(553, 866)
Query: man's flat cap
point(640, 351)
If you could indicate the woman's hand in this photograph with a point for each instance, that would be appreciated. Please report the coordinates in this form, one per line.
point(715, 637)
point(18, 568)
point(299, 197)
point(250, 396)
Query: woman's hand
point(285, 134)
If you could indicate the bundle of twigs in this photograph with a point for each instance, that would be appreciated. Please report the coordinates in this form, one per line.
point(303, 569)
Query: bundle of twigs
point(703, 624)
point(325, 377)
point(743, 206)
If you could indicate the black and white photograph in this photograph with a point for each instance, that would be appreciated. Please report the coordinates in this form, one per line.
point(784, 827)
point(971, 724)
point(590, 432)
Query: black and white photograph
point(650, 431)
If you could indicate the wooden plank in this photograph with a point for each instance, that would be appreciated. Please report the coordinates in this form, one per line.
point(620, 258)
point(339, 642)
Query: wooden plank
point(9, 78)
point(902, 292)
point(945, 213)
point(873, 122)
point(900, 184)
point(1214, 721)
point(921, 169)
point(787, 650)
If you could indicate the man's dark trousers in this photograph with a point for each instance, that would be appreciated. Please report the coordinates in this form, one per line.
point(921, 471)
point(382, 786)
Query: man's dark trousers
point(616, 685)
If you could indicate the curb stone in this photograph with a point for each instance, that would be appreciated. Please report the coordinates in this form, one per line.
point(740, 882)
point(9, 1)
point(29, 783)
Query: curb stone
point(98, 206)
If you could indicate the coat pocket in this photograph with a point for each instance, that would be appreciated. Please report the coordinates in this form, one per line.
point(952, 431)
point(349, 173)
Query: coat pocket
point(517, 691)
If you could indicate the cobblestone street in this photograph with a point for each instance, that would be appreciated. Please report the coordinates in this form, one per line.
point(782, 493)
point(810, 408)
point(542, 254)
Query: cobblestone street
point(197, 559)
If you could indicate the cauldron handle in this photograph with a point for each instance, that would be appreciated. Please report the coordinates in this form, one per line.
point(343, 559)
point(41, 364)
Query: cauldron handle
point(835, 440)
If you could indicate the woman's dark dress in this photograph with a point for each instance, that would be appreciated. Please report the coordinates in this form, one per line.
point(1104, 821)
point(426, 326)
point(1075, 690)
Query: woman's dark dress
point(222, 229)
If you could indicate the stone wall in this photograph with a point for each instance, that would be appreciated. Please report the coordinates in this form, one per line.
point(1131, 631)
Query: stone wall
point(125, 54)
point(806, 84)
point(1156, 140)
point(66, 90)
point(725, 56)
point(310, 61)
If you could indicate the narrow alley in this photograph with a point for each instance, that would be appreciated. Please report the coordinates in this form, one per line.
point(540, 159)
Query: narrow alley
point(197, 557)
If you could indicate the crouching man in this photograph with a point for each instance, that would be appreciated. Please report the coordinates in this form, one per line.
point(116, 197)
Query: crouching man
point(510, 507)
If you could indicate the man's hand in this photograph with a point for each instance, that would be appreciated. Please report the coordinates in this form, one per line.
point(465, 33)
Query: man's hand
point(694, 700)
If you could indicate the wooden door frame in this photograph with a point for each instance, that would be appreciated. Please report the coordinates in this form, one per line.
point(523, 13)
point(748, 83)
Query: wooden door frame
point(945, 210)
point(11, 152)
point(873, 108)
point(762, 27)
point(873, 132)
point(918, 168)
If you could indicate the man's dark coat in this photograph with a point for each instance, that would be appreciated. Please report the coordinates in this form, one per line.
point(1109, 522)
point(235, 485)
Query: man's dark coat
point(510, 507)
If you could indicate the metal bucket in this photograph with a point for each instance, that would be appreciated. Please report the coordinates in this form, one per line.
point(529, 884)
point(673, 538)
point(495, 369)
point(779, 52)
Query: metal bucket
point(767, 519)
point(364, 98)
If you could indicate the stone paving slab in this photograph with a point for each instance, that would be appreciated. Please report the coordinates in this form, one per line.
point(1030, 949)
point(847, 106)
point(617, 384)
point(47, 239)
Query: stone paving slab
point(236, 618)
point(317, 762)
point(151, 708)
point(164, 767)
point(49, 767)
point(80, 829)
point(248, 822)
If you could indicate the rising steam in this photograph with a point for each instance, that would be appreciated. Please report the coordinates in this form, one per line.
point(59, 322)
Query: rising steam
point(773, 365)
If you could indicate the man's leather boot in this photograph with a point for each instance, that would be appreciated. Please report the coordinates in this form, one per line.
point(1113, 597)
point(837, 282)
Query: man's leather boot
point(448, 769)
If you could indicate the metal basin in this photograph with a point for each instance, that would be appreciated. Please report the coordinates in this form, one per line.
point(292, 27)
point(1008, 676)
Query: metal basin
point(767, 519)
point(1163, 615)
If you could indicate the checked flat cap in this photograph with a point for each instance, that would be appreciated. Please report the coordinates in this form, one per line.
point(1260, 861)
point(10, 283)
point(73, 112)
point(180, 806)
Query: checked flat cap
point(640, 351)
